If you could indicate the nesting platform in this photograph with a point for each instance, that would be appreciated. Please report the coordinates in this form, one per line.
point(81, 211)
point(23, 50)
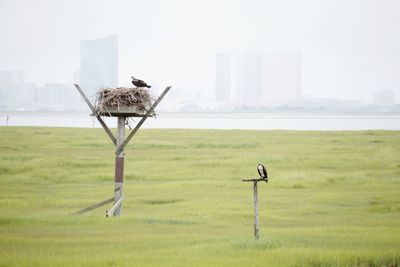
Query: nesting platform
point(121, 112)
point(123, 102)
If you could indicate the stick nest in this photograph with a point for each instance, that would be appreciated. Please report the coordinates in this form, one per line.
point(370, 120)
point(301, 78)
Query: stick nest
point(124, 97)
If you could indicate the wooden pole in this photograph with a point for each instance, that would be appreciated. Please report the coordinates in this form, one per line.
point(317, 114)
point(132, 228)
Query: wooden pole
point(256, 225)
point(119, 167)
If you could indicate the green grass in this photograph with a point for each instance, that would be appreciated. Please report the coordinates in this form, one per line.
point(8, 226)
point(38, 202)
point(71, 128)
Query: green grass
point(333, 198)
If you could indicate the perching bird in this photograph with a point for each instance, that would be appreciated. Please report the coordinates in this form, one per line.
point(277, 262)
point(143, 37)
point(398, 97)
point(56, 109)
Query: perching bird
point(139, 83)
point(262, 171)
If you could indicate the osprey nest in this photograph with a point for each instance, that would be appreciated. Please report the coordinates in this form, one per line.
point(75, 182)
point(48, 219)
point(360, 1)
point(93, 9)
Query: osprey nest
point(123, 99)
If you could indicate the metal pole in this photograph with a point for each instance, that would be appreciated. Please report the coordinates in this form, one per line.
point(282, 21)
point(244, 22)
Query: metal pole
point(256, 225)
point(119, 167)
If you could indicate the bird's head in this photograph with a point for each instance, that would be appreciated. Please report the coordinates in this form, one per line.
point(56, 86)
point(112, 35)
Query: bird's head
point(132, 77)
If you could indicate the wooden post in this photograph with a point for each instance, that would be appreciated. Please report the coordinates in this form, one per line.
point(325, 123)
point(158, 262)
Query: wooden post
point(255, 197)
point(256, 225)
point(119, 167)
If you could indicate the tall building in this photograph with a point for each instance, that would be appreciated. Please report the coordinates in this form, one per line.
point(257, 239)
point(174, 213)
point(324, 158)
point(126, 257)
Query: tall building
point(383, 98)
point(248, 79)
point(258, 79)
point(223, 77)
point(99, 64)
point(13, 90)
point(281, 78)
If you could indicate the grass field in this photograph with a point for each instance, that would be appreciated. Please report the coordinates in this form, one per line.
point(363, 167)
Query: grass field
point(333, 198)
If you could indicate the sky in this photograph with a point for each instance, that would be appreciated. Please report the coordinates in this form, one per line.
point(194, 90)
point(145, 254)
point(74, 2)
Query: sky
point(349, 48)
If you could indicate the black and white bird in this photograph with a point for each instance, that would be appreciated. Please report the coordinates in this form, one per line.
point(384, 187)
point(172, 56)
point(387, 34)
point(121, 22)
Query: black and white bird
point(263, 172)
point(139, 83)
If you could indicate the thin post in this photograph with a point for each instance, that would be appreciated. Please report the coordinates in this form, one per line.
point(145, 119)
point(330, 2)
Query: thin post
point(119, 167)
point(256, 225)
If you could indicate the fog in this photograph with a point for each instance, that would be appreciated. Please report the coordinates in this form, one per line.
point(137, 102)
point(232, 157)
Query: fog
point(349, 49)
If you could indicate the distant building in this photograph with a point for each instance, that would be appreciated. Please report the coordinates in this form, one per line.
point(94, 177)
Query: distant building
point(11, 77)
point(14, 93)
point(248, 79)
point(383, 98)
point(223, 77)
point(56, 96)
point(259, 79)
point(99, 64)
point(281, 78)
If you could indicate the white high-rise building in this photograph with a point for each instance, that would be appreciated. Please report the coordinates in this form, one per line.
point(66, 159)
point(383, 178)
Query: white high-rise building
point(248, 79)
point(281, 77)
point(99, 64)
point(258, 79)
point(223, 77)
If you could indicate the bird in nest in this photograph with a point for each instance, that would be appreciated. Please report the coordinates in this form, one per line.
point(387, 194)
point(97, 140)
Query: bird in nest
point(263, 172)
point(139, 83)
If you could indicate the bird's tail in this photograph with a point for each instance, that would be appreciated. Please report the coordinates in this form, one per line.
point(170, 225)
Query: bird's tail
point(148, 86)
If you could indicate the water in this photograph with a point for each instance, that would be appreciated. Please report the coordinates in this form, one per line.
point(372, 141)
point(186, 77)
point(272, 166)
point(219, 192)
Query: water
point(256, 121)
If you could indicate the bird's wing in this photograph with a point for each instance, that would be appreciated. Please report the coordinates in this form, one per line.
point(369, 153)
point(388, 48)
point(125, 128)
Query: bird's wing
point(265, 171)
point(259, 171)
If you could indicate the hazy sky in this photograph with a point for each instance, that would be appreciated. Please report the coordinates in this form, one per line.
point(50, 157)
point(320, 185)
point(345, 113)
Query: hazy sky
point(350, 48)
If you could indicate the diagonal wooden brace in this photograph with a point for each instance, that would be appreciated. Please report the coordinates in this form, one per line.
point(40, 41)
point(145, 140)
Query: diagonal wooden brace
point(94, 206)
point(105, 127)
point(150, 111)
point(111, 211)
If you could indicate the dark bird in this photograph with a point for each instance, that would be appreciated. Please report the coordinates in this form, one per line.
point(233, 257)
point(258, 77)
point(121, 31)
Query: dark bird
point(262, 171)
point(139, 83)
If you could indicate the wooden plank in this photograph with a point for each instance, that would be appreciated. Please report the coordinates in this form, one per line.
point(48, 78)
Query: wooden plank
point(256, 225)
point(116, 205)
point(105, 127)
point(85, 97)
point(122, 111)
point(149, 112)
point(108, 131)
point(94, 206)
point(254, 179)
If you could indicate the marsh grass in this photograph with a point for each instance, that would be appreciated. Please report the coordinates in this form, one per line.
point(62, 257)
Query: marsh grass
point(332, 200)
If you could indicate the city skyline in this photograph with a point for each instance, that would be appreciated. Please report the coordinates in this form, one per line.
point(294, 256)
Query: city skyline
point(349, 48)
point(251, 80)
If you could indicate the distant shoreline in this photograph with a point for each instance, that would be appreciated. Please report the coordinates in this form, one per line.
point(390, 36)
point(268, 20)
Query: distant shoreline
point(212, 114)
point(214, 120)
